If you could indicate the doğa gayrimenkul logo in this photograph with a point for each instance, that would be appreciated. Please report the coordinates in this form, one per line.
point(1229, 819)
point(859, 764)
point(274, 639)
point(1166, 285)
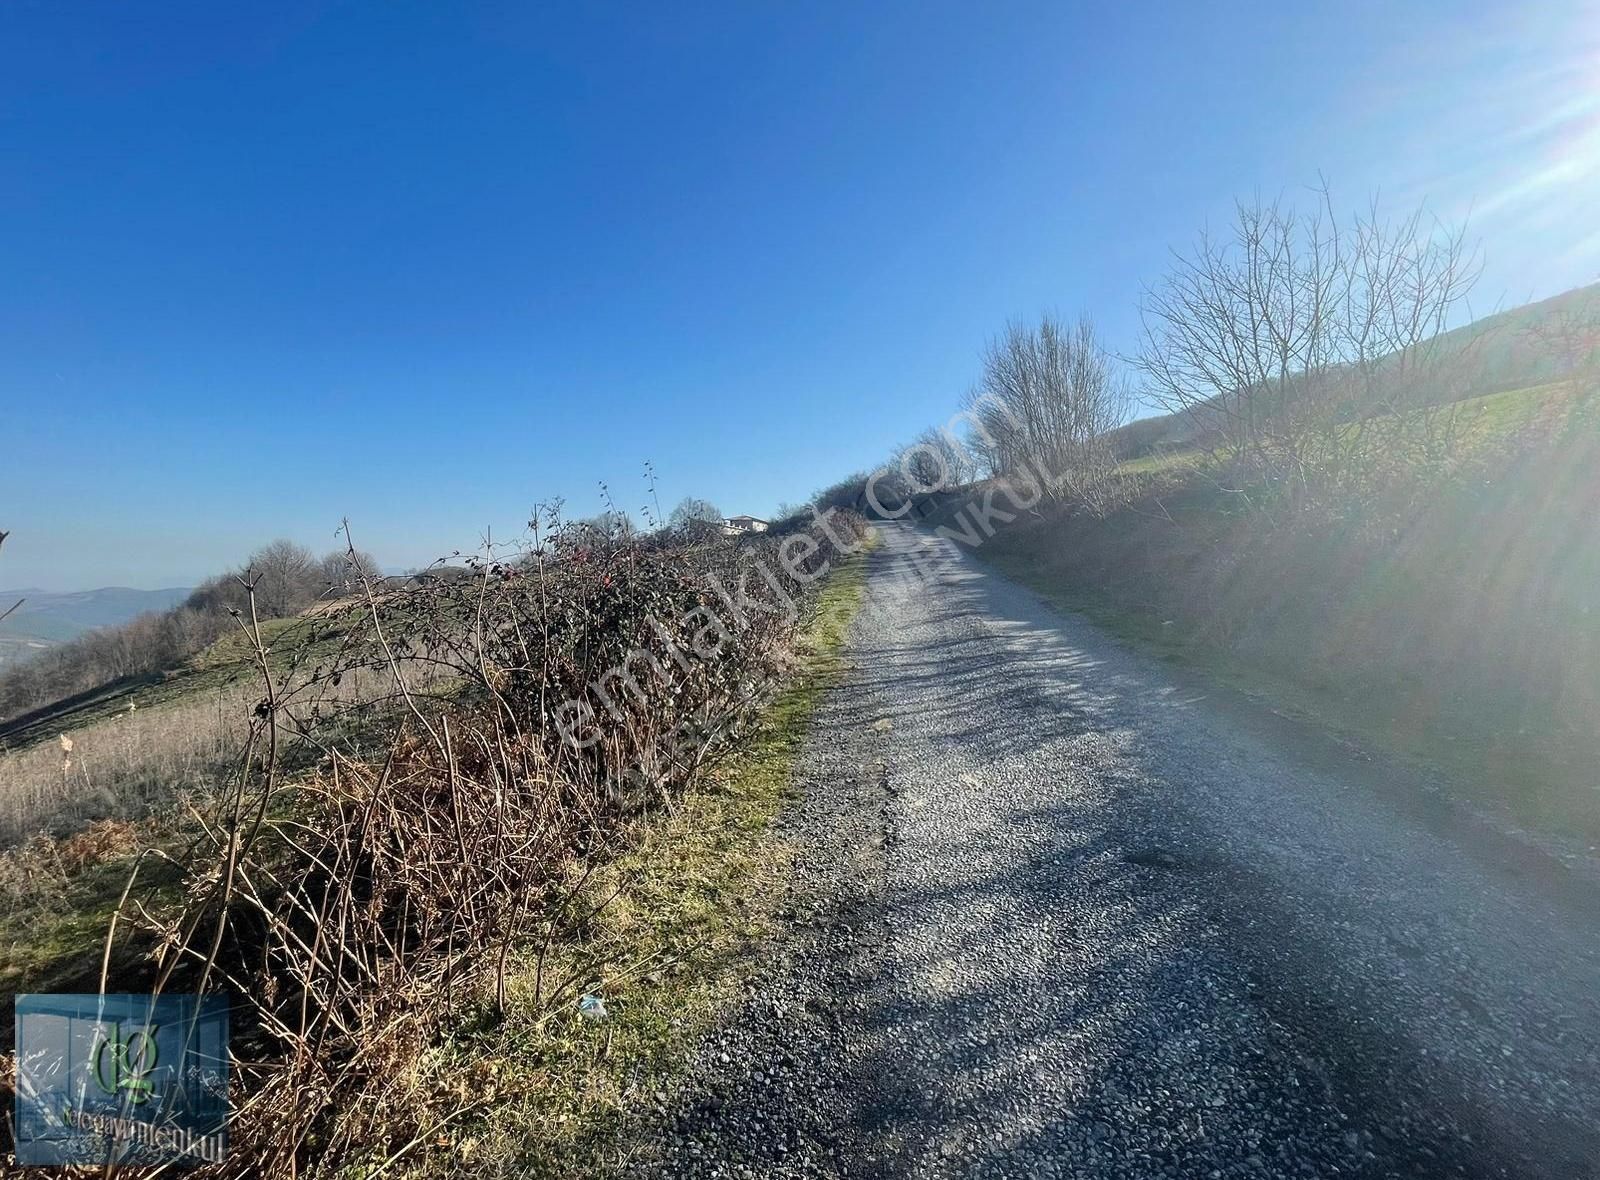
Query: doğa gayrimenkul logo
point(133, 1080)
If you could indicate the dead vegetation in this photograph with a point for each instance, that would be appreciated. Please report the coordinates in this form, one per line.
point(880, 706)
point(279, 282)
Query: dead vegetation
point(426, 867)
point(128, 762)
point(1292, 338)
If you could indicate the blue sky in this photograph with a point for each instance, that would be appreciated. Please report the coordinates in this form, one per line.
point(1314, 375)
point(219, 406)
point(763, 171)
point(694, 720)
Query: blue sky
point(422, 265)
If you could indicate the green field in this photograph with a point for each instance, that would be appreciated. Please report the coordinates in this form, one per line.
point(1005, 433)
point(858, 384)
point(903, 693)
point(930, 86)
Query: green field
point(1483, 420)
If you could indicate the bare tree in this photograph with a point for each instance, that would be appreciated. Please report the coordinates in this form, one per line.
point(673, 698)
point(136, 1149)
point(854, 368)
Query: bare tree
point(1288, 345)
point(611, 525)
point(219, 594)
point(922, 468)
point(936, 461)
point(1048, 397)
point(339, 573)
point(693, 510)
point(286, 578)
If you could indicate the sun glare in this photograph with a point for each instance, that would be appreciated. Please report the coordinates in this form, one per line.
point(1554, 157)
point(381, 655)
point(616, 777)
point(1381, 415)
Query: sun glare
point(1540, 156)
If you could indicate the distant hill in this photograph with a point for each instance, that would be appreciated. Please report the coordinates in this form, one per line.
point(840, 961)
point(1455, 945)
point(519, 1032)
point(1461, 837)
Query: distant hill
point(46, 619)
point(1507, 350)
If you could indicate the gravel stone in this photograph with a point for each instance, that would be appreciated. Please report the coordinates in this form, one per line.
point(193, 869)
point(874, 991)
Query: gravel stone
point(1059, 912)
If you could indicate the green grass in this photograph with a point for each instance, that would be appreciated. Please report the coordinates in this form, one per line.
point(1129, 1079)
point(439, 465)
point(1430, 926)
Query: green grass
point(1485, 419)
point(1160, 462)
point(1504, 415)
point(53, 924)
point(236, 649)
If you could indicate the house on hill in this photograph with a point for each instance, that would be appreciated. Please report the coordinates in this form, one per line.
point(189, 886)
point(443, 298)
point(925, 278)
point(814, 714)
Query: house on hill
point(735, 526)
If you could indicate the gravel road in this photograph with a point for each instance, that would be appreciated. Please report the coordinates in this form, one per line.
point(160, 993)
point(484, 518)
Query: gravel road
point(1060, 913)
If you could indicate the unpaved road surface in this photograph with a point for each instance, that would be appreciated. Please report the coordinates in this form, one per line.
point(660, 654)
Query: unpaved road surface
point(1061, 914)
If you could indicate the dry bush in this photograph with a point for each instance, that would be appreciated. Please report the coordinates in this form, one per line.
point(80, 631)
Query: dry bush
point(34, 874)
point(31, 875)
point(103, 840)
point(368, 907)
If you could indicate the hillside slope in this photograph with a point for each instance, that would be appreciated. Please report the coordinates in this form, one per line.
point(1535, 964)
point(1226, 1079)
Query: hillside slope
point(47, 618)
point(1454, 620)
point(1524, 347)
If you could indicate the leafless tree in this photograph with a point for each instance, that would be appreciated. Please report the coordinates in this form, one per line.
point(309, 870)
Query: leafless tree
point(286, 578)
point(693, 510)
point(921, 468)
point(936, 461)
point(339, 573)
point(695, 519)
point(1290, 342)
point(612, 524)
point(1048, 397)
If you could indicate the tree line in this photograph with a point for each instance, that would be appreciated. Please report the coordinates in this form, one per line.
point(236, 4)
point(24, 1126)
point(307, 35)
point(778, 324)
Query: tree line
point(286, 578)
point(1299, 353)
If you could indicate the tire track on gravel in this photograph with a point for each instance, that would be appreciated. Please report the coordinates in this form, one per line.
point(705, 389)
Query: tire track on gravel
point(1056, 916)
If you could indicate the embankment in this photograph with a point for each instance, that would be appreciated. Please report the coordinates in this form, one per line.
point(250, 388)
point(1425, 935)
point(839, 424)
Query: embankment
point(1459, 624)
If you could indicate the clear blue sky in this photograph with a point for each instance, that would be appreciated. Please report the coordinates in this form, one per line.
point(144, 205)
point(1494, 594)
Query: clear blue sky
point(264, 267)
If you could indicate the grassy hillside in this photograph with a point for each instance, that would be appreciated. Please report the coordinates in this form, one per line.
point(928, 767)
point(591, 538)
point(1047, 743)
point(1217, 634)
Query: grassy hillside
point(143, 753)
point(138, 745)
point(1513, 352)
point(1456, 620)
point(224, 663)
point(1485, 421)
